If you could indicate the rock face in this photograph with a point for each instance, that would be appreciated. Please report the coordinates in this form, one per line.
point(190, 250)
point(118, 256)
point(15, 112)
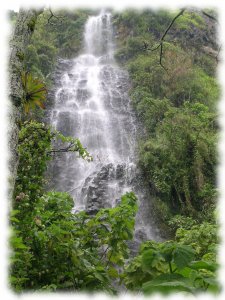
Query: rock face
point(23, 30)
point(102, 187)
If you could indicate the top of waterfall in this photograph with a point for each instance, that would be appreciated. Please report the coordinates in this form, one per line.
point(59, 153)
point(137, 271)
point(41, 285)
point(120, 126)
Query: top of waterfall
point(103, 11)
point(98, 36)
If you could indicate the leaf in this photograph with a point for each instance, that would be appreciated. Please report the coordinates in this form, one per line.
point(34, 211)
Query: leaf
point(167, 251)
point(198, 265)
point(35, 92)
point(68, 284)
point(13, 219)
point(183, 255)
point(17, 243)
point(213, 285)
point(165, 287)
point(152, 259)
point(14, 212)
point(99, 276)
point(166, 284)
point(113, 272)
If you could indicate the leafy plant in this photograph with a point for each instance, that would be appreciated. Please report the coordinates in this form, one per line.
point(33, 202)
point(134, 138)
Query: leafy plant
point(72, 251)
point(35, 92)
point(169, 267)
point(179, 221)
point(52, 248)
point(203, 238)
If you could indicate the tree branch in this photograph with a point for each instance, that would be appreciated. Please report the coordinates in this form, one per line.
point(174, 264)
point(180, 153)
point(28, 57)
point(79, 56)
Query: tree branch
point(209, 16)
point(52, 15)
point(160, 57)
point(171, 23)
point(62, 150)
point(161, 41)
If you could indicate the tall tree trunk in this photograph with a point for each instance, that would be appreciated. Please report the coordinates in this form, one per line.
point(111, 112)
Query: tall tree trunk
point(23, 30)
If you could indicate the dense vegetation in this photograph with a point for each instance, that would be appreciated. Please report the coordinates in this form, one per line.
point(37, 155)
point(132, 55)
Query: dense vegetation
point(176, 103)
point(56, 36)
point(54, 249)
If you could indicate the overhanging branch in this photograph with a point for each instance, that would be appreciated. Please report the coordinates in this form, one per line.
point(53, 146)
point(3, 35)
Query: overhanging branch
point(161, 41)
point(209, 16)
point(69, 148)
point(52, 15)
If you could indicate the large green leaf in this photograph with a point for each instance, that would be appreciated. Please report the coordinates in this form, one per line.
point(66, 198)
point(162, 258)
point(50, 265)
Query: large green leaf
point(113, 272)
point(183, 255)
point(151, 259)
point(213, 285)
point(166, 284)
point(167, 251)
point(198, 265)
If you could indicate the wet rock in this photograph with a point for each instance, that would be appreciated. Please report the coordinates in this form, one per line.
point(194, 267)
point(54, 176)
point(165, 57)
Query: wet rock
point(82, 83)
point(140, 235)
point(119, 171)
point(134, 247)
point(82, 95)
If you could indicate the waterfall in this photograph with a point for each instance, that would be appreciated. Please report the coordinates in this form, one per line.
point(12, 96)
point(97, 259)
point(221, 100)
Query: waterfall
point(92, 103)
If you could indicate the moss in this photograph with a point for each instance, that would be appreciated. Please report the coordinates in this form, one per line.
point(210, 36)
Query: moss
point(16, 100)
point(190, 19)
point(20, 55)
point(31, 24)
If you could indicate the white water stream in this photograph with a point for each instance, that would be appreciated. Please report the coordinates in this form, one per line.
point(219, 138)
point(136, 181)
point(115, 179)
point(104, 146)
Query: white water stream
point(91, 103)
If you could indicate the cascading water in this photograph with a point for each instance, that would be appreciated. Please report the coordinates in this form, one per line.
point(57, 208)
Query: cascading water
point(91, 103)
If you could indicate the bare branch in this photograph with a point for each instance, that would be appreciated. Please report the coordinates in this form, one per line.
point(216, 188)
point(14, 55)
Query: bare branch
point(171, 23)
point(209, 16)
point(69, 148)
point(161, 41)
point(52, 15)
point(161, 56)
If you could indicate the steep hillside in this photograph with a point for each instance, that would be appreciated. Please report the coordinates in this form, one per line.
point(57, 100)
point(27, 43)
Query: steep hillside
point(175, 94)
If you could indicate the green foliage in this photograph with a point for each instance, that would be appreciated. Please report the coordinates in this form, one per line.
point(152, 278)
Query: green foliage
point(190, 20)
point(73, 145)
point(20, 257)
point(35, 92)
point(166, 284)
point(180, 160)
point(141, 23)
point(183, 81)
point(146, 73)
point(149, 110)
point(203, 238)
point(179, 221)
point(169, 267)
point(52, 248)
point(34, 149)
point(52, 38)
point(31, 24)
point(133, 47)
point(178, 146)
point(73, 251)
